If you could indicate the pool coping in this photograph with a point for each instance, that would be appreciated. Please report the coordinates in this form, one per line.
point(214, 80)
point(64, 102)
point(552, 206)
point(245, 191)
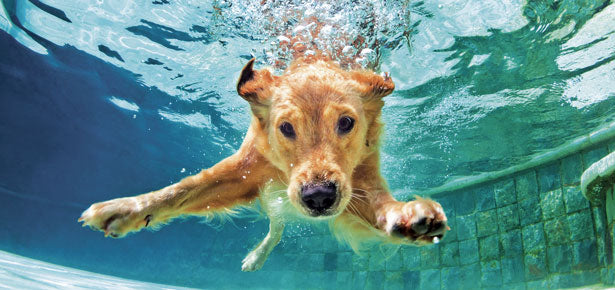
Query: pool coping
point(601, 135)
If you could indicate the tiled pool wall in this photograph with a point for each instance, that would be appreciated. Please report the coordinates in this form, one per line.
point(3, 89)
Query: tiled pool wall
point(530, 230)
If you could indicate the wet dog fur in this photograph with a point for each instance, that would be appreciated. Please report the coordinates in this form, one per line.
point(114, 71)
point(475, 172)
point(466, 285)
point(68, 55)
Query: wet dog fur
point(312, 151)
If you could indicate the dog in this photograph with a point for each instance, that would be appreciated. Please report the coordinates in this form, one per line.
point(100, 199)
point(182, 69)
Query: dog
point(312, 150)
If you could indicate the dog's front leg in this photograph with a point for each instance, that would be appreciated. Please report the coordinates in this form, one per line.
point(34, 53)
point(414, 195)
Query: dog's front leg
point(421, 221)
point(234, 180)
point(257, 257)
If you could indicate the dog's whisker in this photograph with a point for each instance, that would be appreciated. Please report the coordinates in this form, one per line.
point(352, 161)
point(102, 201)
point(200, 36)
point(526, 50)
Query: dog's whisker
point(357, 212)
point(363, 190)
point(281, 180)
point(359, 199)
point(355, 209)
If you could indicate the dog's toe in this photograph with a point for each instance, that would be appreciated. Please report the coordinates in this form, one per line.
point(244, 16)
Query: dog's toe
point(115, 218)
point(421, 222)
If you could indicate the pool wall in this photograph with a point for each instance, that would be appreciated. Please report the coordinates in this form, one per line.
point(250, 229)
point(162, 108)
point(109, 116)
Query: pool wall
point(533, 228)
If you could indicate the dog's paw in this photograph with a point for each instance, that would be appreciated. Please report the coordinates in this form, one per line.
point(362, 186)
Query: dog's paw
point(116, 217)
point(253, 261)
point(420, 221)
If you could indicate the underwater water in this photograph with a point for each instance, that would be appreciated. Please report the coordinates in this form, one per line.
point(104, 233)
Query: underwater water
point(104, 99)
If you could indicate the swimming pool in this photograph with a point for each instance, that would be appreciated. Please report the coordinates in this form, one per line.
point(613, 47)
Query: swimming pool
point(102, 99)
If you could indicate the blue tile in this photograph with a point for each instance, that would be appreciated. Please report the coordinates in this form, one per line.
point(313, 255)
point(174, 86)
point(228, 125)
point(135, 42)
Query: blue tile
point(376, 262)
point(315, 262)
point(344, 261)
point(584, 278)
point(468, 250)
point(430, 279)
point(557, 231)
point(575, 200)
point(486, 223)
point(470, 276)
point(343, 279)
point(513, 270)
point(533, 238)
point(511, 243)
point(430, 256)
point(508, 217)
point(452, 234)
point(559, 258)
point(505, 192)
point(393, 280)
point(489, 248)
point(526, 185)
point(360, 262)
point(411, 257)
point(559, 281)
point(552, 204)
point(535, 266)
point(581, 225)
point(599, 219)
point(448, 204)
point(395, 262)
point(529, 211)
point(412, 279)
point(375, 280)
point(329, 245)
point(466, 227)
point(330, 261)
point(449, 254)
point(491, 273)
point(485, 197)
point(585, 255)
point(549, 178)
point(450, 278)
point(358, 279)
point(572, 169)
point(465, 202)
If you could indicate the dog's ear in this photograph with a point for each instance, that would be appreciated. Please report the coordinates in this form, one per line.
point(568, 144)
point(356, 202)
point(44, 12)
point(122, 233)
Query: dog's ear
point(373, 87)
point(253, 85)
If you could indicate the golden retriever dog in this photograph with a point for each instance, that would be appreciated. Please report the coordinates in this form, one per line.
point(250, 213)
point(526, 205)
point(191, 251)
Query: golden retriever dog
point(312, 151)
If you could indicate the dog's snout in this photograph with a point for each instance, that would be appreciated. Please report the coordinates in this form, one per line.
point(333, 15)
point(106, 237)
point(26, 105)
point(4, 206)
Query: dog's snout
point(319, 197)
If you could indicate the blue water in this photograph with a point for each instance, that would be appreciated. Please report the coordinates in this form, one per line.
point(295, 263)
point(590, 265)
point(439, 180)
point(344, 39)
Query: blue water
point(107, 99)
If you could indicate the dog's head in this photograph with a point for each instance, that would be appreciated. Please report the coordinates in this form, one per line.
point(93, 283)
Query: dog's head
point(316, 123)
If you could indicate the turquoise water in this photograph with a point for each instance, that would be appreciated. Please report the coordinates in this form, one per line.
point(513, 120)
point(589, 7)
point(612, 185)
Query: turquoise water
point(102, 99)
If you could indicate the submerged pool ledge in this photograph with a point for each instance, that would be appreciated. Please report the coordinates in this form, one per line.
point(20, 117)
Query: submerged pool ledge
point(601, 135)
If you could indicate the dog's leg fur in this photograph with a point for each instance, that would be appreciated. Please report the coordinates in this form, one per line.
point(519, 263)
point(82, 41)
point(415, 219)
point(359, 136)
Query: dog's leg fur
point(273, 200)
point(417, 222)
point(257, 257)
point(235, 180)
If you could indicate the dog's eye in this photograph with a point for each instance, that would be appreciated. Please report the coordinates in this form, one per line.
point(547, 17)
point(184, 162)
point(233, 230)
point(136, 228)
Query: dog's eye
point(344, 125)
point(287, 129)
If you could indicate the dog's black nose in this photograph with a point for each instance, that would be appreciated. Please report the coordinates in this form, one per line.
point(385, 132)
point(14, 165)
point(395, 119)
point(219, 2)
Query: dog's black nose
point(319, 197)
